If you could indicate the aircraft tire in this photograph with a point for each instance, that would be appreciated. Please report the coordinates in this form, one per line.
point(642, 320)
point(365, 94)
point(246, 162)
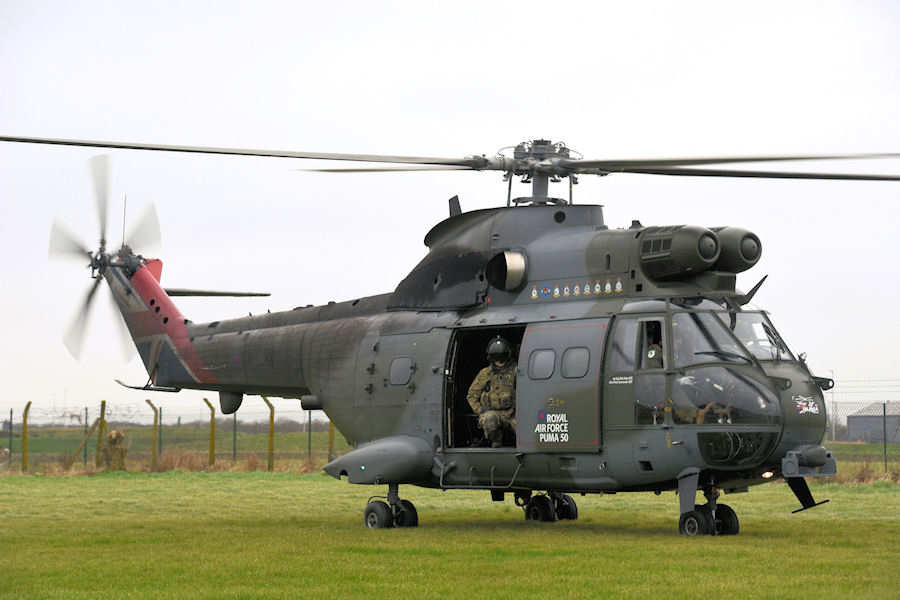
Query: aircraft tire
point(540, 508)
point(566, 509)
point(694, 523)
point(378, 515)
point(407, 516)
point(727, 520)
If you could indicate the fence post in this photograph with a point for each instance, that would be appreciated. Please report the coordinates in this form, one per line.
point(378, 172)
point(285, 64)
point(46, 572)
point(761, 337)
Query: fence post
point(884, 432)
point(153, 449)
point(84, 450)
point(159, 449)
point(212, 433)
point(271, 434)
point(25, 437)
point(309, 434)
point(330, 441)
point(9, 462)
point(101, 431)
point(234, 436)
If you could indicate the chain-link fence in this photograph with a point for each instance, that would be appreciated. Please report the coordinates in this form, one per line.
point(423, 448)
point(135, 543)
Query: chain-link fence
point(284, 438)
point(865, 432)
point(859, 433)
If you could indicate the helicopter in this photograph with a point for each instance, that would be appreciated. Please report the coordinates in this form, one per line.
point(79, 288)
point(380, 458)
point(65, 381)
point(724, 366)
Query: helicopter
point(640, 367)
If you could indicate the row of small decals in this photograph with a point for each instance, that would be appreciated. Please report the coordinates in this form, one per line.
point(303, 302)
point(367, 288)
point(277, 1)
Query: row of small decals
point(563, 290)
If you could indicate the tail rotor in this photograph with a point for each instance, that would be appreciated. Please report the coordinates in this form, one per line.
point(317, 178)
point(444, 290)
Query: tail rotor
point(64, 245)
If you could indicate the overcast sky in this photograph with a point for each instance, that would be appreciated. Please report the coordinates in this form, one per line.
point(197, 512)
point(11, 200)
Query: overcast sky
point(612, 79)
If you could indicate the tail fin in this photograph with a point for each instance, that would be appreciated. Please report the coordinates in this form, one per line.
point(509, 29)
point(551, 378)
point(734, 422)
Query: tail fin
point(158, 328)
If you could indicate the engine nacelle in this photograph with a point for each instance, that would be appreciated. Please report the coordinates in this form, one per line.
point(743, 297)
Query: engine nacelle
point(741, 249)
point(677, 251)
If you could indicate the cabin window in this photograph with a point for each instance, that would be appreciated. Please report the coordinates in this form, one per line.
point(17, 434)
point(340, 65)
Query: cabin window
point(622, 350)
point(541, 364)
point(575, 362)
point(401, 370)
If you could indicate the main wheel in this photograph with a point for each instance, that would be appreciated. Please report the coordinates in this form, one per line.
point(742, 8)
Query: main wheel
point(726, 520)
point(407, 515)
point(566, 509)
point(378, 515)
point(540, 508)
point(694, 523)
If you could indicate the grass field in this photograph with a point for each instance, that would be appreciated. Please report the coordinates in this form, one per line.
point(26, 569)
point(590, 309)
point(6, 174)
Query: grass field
point(262, 535)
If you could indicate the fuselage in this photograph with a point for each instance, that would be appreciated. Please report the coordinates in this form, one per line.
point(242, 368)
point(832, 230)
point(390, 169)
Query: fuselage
point(636, 360)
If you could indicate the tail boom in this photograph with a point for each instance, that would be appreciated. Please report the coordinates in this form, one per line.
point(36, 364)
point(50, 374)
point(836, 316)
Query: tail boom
point(158, 328)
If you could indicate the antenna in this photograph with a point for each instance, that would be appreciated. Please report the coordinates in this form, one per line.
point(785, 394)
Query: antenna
point(124, 211)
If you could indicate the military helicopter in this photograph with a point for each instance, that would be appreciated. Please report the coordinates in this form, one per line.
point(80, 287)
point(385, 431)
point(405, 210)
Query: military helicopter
point(640, 366)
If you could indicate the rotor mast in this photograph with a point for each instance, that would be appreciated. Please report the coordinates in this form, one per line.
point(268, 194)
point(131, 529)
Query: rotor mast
point(538, 163)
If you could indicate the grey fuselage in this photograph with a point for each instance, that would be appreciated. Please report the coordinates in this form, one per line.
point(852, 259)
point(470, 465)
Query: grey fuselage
point(390, 370)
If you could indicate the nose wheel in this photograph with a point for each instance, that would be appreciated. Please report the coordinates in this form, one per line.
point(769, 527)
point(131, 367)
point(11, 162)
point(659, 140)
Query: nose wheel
point(396, 512)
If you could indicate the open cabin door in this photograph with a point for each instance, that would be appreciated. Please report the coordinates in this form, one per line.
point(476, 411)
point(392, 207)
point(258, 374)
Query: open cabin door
point(558, 386)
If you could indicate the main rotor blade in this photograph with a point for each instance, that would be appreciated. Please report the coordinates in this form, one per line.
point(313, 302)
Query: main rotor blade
point(425, 160)
point(145, 234)
point(759, 174)
point(100, 175)
point(616, 165)
point(391, 169)
point(74, 337)
point(65, 245)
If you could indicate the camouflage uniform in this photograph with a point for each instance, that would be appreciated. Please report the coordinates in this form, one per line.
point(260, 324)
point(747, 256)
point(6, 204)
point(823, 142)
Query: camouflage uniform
point(493, 398)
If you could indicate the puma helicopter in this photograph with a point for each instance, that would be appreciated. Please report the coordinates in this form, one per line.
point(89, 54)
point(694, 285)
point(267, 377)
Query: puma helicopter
point(640, 366)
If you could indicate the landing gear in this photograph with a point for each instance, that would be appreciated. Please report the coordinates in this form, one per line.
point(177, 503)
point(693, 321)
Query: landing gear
point(694, 523)
point(378, 515)
point(550, 507)
point(393, 513)
point(704, 519)
point(407, 515)
point(725, 520)
point(540, 508)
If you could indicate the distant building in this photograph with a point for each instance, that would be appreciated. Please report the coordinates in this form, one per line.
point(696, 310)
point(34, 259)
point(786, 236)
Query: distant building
point(866, 424)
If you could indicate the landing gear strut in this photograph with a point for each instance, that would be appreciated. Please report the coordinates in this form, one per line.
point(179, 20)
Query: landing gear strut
point(552, 506)
point(393, 513)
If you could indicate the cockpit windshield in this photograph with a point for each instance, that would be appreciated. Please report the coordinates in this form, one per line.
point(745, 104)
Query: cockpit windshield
point(700, 337)
point(757, 334)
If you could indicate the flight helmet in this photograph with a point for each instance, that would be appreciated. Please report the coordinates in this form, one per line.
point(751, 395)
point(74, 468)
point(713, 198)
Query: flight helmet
point(498, 349)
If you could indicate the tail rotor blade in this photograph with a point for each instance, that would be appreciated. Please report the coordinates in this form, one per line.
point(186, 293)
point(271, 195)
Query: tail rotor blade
point(74, 337)
point(126, 347)
point(145, 234)
point(65, 245)
point(100, 175)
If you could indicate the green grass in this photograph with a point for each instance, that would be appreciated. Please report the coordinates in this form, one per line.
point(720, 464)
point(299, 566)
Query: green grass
point(261, 535)
point(862, 452)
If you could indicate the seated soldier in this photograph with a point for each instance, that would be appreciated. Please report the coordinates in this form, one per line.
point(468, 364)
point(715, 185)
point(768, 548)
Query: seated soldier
point(493, 393)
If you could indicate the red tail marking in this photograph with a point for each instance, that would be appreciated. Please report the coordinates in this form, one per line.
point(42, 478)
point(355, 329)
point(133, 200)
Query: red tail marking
point(154, 265)
point(163, 317)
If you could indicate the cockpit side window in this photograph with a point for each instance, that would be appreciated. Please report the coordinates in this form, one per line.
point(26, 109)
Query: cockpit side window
point(652, 352)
